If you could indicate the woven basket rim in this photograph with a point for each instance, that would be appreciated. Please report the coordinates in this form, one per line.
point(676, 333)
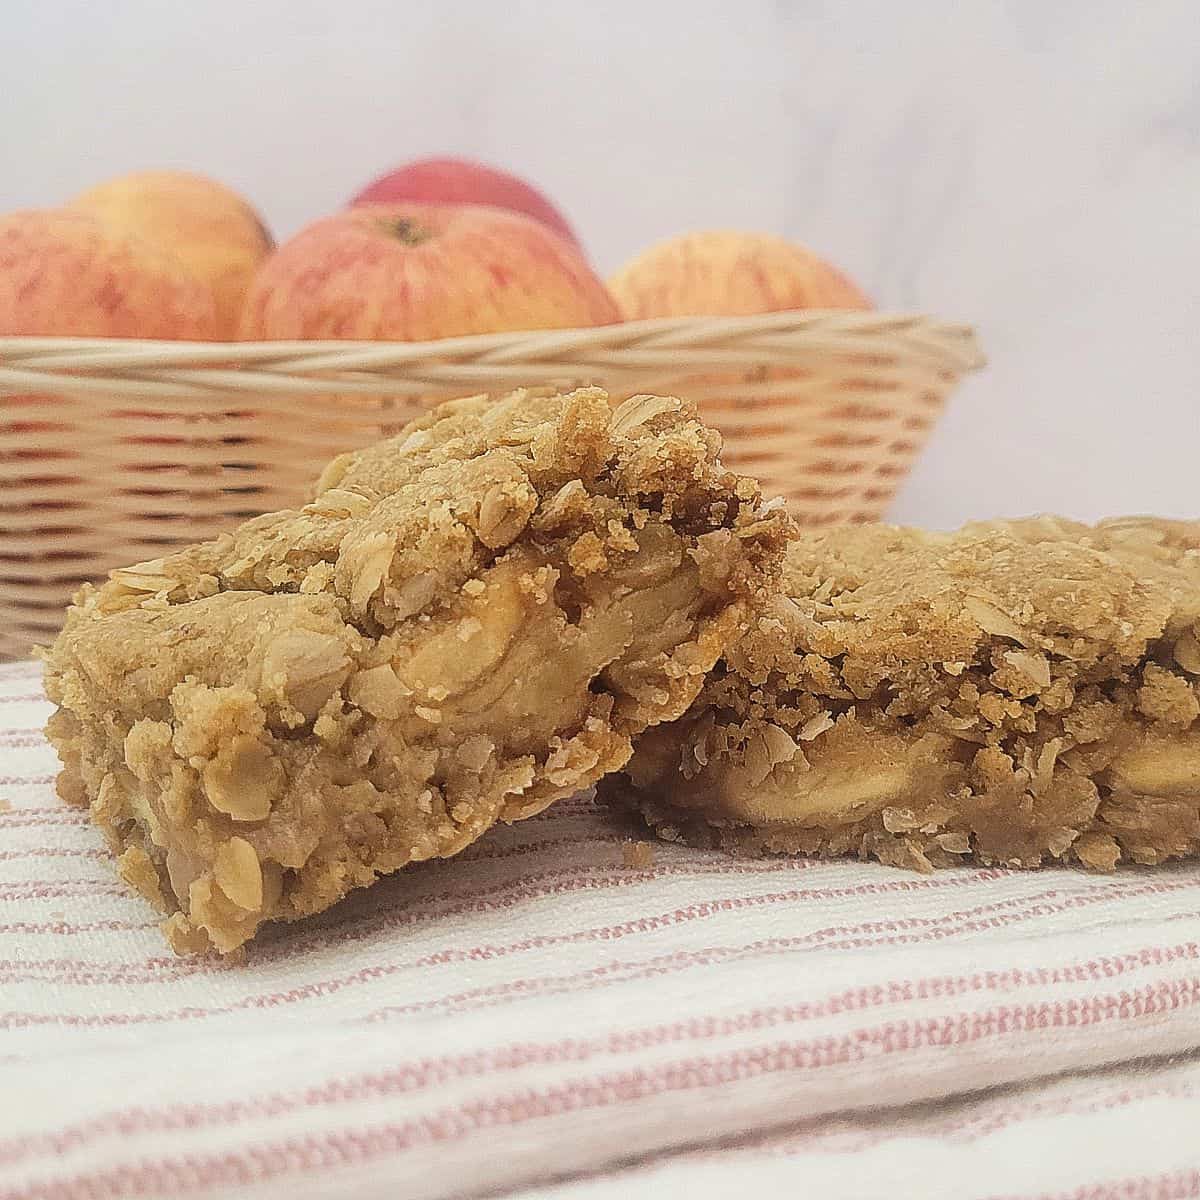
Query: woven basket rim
point(635, 347)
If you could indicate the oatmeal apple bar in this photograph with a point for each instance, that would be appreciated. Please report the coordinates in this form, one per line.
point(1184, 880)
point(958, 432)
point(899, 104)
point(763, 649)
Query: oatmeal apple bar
point(467, 622)
point(1015, 693)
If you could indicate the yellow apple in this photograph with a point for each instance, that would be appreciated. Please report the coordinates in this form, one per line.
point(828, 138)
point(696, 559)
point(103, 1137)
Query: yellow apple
point(728, 274)
point(212, 230)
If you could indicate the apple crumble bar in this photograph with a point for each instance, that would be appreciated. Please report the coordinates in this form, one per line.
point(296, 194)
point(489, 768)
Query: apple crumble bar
point(1015, 693)
point(466, 622)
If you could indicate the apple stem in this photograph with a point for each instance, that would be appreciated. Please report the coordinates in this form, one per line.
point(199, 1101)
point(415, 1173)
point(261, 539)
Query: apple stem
point(407, 231)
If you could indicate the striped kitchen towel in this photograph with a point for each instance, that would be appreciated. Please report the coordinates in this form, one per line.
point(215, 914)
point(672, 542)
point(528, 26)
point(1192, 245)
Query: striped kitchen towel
point(549, 1015)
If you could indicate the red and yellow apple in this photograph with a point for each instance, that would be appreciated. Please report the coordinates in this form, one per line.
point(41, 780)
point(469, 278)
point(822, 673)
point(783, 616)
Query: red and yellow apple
point(213, 232)
point(734, 274)
point(67, 273)
point(461, 181)
point(413, 272)
point(728, 274)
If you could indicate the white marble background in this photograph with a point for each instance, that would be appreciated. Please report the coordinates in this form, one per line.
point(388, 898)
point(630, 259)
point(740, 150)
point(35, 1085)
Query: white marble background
point(1031, 166)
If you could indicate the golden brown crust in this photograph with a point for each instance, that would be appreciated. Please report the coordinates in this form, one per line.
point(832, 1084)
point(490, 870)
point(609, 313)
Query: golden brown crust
point(1016, 692)
point(466, 622)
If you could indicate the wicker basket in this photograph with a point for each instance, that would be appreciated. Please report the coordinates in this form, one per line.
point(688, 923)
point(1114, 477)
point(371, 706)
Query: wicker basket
point(112, 451)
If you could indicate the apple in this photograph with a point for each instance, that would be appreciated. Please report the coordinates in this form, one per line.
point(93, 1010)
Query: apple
point(728, 274)
point(414, 272)
point(65, 273)
point(212, 230)
point(461, 181)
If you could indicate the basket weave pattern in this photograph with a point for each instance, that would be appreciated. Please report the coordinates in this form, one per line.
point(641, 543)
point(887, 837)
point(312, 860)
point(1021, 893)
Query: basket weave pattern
point(113, 451)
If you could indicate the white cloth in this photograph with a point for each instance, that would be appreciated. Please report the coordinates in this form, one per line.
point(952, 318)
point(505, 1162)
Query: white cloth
point(535, 1018)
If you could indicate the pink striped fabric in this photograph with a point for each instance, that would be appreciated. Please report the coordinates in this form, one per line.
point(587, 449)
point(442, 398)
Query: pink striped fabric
point(537, 1019)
